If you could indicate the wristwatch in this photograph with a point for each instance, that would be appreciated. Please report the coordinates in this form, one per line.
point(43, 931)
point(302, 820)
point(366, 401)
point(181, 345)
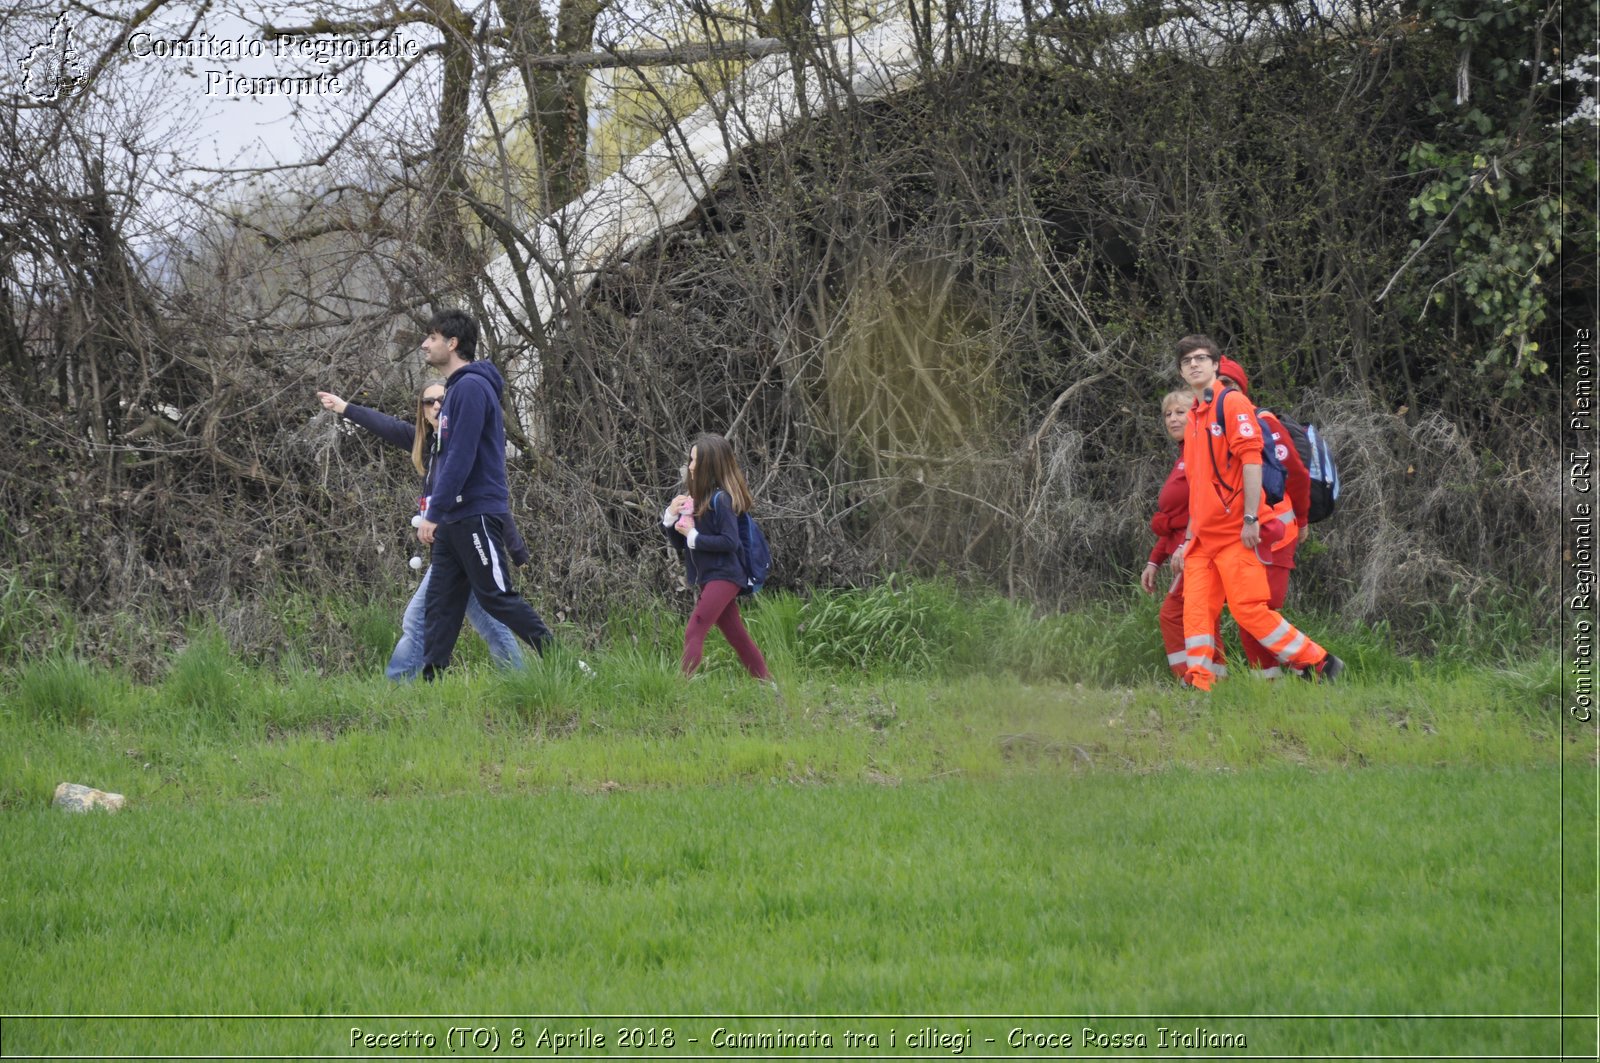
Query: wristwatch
point(1251, 518)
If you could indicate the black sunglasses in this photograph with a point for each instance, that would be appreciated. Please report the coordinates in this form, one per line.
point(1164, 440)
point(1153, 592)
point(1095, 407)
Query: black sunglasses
point(434, 402)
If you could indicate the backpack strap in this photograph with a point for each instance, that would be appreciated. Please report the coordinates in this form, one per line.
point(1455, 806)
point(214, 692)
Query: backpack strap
point(1216, 473)
point(1223, 394)
point(741, 535)
point(720, 493)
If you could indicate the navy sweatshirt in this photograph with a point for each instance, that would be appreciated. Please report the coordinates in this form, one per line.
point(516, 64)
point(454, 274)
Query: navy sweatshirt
point(469, 474)
point(403, 434)
point(714, 554)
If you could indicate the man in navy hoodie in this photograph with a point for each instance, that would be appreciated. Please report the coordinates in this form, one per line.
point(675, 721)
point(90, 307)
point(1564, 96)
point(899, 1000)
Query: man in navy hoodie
point(470, 505)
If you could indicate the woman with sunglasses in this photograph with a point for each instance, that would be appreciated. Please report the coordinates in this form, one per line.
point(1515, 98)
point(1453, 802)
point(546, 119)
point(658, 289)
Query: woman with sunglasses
point(421, 440)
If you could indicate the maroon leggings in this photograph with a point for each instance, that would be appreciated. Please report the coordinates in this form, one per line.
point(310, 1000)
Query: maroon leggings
point(719, 605)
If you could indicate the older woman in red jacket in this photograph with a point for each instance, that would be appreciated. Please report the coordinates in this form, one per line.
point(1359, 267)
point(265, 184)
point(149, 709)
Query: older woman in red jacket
point(1170, 522)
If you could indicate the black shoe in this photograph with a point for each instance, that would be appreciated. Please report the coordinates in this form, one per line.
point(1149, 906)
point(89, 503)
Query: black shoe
point(1327, 670)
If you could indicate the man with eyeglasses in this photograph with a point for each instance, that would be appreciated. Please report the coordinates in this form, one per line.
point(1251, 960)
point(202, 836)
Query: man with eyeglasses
point(1226, 508)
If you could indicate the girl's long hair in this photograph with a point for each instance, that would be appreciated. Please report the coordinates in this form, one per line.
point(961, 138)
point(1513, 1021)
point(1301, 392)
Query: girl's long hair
point(716, 467)
point(422, 443)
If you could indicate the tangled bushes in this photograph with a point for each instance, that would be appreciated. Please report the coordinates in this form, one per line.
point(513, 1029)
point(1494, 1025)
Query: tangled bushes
point(937, 328)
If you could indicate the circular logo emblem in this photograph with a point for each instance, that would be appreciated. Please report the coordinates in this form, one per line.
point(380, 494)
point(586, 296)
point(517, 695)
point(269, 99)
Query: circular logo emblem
point(1282, 452)
point(1216, 429)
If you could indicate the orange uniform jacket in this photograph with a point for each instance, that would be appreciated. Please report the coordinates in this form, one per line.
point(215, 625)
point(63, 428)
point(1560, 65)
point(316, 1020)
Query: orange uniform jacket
point(1216, 491)
point(1226, 570)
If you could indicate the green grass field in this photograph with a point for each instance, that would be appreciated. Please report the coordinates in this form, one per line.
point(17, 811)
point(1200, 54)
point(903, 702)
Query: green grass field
point(968, 857)
point(1279, 891)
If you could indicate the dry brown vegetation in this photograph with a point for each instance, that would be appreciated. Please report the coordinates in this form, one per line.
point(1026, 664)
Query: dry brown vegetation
point(937, 329)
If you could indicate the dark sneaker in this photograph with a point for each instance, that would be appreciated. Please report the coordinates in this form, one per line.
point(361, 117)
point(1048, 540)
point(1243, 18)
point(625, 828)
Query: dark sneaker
point(1327, 670)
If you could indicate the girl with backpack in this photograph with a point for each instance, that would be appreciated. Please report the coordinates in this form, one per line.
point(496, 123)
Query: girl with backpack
point(703, 526)
point(406, 661)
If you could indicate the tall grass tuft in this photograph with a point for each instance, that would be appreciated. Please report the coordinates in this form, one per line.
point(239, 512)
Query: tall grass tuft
point(639, 689)
point(545, 694)
point(859, 630)
point(1534, 685)
point(29, 623)
point(1487, 627)
point(657, 628)
point(933, 626)
point(206, 678)
point(62, 689)
point(773, 619)
point(376, 628)
point(1100, 644)
point(302, 701)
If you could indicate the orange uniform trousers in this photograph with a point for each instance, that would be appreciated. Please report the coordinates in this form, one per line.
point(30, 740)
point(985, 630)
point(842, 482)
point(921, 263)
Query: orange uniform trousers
point(1263, 663)
point(1226, 570)
point(1171, 617)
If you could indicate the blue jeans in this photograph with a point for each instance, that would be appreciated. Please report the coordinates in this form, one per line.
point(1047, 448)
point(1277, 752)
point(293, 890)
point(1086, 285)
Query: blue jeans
point(406, 663)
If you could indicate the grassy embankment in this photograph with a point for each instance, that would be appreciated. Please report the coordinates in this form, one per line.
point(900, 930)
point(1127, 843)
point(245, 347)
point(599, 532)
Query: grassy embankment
point(955, 809)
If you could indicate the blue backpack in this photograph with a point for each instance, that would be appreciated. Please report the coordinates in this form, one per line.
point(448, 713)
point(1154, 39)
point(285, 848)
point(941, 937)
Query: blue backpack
point(754, 554)
point(1274, 476)
point(1314, 450)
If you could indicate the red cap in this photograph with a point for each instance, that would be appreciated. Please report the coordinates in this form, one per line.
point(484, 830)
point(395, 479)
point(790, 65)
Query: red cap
point(1235, 372)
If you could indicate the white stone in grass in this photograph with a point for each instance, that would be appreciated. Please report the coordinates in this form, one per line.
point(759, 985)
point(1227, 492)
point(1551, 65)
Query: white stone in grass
point(73, 797)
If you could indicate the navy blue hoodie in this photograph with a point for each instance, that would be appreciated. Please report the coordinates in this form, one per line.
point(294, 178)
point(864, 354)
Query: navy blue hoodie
point(715, 554)
point(469, 472)
point(403, 434)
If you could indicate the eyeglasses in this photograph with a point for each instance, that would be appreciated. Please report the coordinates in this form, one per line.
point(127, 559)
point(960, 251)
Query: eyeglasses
point(435, 401)
point(1194, 359)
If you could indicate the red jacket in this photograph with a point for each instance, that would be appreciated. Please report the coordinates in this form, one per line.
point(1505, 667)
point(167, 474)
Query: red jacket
point(1298, 490)
point(1171, 518)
